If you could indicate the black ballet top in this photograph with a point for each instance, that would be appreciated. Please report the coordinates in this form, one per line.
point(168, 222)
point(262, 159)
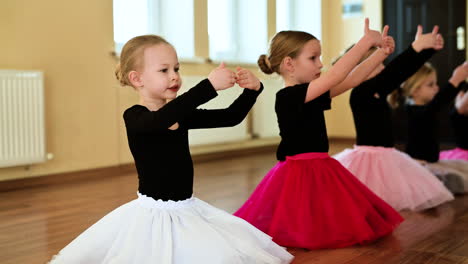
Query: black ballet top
point(460, 129)
point(162, 156)
point(302, 125)
point(372, 114)
point(423, 142)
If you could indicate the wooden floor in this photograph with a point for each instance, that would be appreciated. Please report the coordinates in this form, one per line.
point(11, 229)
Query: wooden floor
point(37, 222)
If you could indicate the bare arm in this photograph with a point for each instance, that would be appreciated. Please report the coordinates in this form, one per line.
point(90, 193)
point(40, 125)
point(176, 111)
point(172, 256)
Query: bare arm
point(341, 69)
point(459, 74)
point(461, 103)
point(363, 70)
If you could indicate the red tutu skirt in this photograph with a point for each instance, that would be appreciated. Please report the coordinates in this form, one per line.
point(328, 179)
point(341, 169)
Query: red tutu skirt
point(311, 201)
point(456, 153)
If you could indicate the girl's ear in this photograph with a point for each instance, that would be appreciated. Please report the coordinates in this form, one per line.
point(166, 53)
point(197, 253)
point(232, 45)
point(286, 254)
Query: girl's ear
point(288, 64)
point(134, 78)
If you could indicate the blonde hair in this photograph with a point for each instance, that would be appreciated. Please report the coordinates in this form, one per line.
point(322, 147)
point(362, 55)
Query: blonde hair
point(284, 44)
point(131, 57)
point(410, 85)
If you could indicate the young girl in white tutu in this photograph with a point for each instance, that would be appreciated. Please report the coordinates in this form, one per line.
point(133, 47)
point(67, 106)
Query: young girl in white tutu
point(391, 174)
point(166, 224)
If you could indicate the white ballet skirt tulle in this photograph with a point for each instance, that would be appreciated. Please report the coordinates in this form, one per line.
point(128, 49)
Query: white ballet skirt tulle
point(395, 177)
point(191, 231)
point(453, 173)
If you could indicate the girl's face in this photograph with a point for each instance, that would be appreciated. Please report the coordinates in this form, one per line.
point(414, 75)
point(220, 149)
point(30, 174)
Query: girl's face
point(428, 89)
point(307, 65)
point(160, 76)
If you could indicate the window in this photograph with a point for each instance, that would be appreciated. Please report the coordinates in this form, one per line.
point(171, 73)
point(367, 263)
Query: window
point(161, 17)
point(303, 15)
point(237, 30)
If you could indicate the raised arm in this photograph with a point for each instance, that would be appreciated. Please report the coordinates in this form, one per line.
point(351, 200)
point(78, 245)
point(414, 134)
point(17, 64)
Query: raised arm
point(404, 65)
point(459, 75)
point(461, 103)
point(364, 69)
point(341, 69)
point(448, 93)
point(409, 61)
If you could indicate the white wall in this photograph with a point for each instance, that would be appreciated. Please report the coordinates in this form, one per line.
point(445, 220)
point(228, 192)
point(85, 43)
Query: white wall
point(264, 117)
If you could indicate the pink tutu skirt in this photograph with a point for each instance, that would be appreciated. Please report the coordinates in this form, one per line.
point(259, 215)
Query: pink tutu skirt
point(395, 177)
point(454, 154)
point(311, 201)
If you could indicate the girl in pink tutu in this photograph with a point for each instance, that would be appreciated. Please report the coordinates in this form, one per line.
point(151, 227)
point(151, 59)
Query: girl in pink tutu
point(424, 100)
point(166, 224)
point(309, 200)
point(459, 119)
point(392, 175)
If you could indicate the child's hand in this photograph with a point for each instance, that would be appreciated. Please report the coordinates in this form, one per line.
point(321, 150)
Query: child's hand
point(461, 103)
point(459, 74)
point(246, 79)
point(388, 44)
point(372, 35)
point(432, 40)
point(222, 78)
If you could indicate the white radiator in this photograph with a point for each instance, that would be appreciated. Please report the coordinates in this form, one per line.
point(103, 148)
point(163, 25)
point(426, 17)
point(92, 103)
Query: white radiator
point(22, 126)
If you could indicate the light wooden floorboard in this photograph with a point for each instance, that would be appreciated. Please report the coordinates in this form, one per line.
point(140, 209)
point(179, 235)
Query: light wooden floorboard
point(37, 222)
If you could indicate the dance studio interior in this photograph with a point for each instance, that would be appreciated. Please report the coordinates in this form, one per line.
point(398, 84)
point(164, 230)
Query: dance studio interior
point(70, 161)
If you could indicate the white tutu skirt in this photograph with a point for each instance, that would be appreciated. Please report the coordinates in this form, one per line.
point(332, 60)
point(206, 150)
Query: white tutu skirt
point(395, 177)
point(168, 232)
point(453, 173)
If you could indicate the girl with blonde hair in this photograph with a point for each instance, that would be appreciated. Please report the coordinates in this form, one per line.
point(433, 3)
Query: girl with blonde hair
point(391, 174)
point(166, 223)
point(424, 100)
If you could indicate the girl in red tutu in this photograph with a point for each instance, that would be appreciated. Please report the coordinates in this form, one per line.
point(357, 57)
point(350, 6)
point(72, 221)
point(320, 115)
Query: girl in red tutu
point(391, 174)
point(459, 118)
point(308, 199)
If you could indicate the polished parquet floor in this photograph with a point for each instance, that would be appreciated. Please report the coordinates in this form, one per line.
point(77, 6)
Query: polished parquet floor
point(37, 222)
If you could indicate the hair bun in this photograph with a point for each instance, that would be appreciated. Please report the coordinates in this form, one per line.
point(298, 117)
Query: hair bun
point(118, 75)
point(264, 64)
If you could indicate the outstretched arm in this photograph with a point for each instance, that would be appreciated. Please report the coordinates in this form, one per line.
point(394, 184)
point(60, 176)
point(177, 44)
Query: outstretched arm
point(410, 61)
point(363, 70)
point(404, 65)
point(341, 69)
point(461, 103)
point(140, 119)
point(448, 93)
point(459, 74)
point(236, 112)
